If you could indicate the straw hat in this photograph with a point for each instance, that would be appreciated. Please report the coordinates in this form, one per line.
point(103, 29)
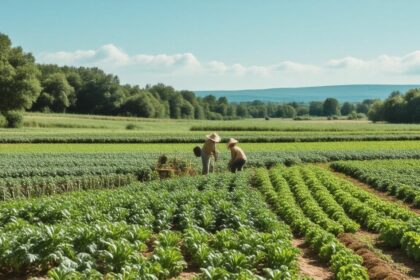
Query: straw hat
point(214, 137)
point(232, 141)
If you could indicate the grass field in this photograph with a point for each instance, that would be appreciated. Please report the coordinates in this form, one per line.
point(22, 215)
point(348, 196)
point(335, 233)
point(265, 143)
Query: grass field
point(62, 128)
point(36, 122)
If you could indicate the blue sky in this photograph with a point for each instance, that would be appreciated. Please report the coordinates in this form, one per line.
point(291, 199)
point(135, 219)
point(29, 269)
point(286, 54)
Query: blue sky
point(231, 44)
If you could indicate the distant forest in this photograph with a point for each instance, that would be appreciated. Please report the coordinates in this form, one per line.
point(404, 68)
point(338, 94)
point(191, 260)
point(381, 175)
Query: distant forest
point(25, 85)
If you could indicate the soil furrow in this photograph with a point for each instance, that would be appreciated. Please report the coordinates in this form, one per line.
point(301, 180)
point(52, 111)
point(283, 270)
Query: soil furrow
point(309, 263)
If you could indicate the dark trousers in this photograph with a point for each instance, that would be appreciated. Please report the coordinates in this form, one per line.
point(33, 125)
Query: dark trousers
point(237, 165)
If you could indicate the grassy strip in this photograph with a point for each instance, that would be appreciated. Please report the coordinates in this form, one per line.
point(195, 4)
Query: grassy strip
point(137, 139)
point(176, 147)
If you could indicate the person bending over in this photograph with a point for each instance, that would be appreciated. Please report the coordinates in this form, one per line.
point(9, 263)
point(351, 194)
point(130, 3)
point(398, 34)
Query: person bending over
point(238, 157)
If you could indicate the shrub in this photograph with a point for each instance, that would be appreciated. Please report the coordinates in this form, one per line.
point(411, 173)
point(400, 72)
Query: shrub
point(131, 126)
point(3, 121)
point(14, 119)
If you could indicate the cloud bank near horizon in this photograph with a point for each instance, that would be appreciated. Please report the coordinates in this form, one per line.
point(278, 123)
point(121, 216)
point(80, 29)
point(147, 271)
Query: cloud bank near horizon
point(186, 71)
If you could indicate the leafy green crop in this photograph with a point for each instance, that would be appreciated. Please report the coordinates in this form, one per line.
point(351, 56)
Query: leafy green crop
point(148, 231)
point(400, 178)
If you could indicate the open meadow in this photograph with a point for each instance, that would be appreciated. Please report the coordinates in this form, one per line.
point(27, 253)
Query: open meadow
point(83, 198)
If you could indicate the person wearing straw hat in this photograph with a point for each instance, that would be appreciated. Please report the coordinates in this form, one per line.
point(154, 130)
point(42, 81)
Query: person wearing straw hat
point(238, 157)
point(208, 150)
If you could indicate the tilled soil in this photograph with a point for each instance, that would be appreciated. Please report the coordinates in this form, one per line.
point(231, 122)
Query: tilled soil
point(309, 263)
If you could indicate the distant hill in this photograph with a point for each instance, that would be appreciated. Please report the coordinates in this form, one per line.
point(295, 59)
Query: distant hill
point(351, 93)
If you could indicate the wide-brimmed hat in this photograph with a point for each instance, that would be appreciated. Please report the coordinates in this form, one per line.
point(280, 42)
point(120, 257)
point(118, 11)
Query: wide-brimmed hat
point(214, 137)
point(232, 141)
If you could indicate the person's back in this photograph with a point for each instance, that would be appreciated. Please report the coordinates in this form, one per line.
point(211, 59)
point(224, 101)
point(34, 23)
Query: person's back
point(209, 148)
point(237, 153)
point(238, 157)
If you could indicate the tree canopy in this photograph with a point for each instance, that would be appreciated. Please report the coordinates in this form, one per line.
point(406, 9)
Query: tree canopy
point(19, 84)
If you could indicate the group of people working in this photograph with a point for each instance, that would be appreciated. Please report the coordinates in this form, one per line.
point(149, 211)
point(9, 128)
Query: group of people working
point(238, 157)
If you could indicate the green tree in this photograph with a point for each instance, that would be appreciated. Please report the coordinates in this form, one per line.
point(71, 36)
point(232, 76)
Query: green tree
point(331, 107)
point(347, 108)
point(376, 113)
point(289, 111)
point(316, 108)
point(139, 105)
point(412, 98)
point(242, 111)
point(187, 110)
point(58, 92)
point(19, 84)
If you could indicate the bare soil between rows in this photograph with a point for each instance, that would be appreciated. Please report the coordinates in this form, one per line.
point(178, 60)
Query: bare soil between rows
point(309, 263)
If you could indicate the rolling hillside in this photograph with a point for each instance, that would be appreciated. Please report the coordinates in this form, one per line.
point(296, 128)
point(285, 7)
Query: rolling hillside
point(352, 93)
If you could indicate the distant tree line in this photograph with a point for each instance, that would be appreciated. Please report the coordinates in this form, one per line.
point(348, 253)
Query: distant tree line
point(24, 85)
point(398, 108)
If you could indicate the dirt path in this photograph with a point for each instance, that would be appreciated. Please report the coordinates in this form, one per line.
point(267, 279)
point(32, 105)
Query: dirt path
point(186, 276)
point(309, 263)
point(383, 195)
point(378, 267)
point(395, 258)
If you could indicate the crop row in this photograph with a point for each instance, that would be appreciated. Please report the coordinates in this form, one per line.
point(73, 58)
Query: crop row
point(60, 164)
point(343, 262)
point(304, 128)
point(196, 139)
point(14, 188)
point(214, 226)
point(400, 178)
point(33, 174)
point(305, 193)
point(397, 226)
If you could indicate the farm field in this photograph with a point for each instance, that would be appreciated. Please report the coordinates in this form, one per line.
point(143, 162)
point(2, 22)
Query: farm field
point(163, 140)
point(61, 128)
point(400, 178)
point(206, 227)
point(184, 147)
point(91, 204)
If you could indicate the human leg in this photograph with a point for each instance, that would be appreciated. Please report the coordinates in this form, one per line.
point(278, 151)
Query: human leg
point(206, 164)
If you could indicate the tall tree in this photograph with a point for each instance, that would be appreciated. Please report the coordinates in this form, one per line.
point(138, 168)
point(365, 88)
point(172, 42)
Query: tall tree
point(19, 85)
point(331, 107)
point(347, 108)
point(58, 91)
point(316, 108)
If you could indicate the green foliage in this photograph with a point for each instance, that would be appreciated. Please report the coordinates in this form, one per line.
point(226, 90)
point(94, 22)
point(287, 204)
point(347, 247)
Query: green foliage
point(398, 108)
point(279, 194)
point(57, 94)
point(131, 126)
point(388, 219)
point(18, 77)
point(3, 121)
point(400, 178)
point(14, 119)
point(316, 108)
point(331, 107)
point(148, 231)
point(347, 108)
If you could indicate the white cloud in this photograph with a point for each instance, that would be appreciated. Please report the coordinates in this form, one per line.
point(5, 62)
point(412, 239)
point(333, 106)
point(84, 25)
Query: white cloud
point(185, 70)
point(347, 62)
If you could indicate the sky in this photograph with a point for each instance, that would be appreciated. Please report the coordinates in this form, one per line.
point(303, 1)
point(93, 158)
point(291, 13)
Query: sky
point(224, 44)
